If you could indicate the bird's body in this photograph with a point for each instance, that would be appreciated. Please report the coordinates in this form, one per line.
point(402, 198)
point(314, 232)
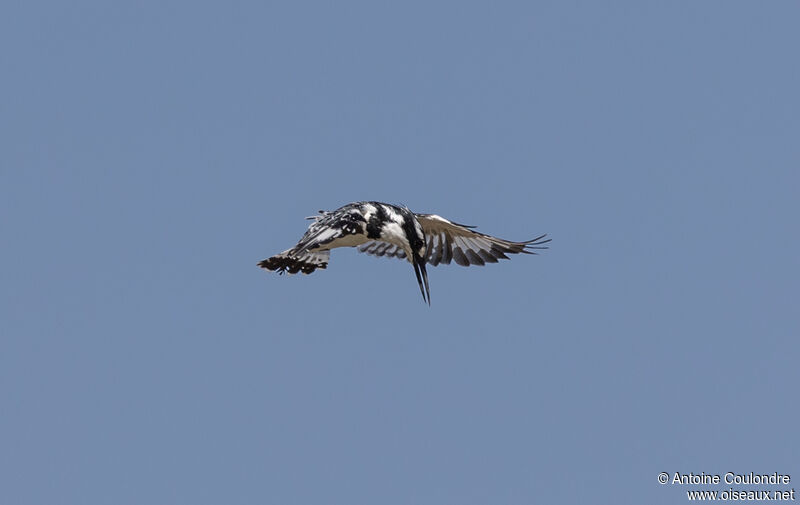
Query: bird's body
point(389, 230)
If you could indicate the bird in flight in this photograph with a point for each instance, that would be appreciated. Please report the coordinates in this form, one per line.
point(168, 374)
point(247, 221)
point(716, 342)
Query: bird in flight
point(383, 229)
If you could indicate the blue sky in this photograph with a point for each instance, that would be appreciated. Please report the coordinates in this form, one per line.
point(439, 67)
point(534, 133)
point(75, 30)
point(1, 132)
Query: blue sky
point(153, 152)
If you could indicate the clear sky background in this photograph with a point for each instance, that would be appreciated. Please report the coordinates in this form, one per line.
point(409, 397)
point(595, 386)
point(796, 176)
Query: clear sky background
point(153, 152)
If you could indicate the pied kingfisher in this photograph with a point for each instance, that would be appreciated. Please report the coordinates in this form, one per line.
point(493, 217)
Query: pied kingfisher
point(388, 230)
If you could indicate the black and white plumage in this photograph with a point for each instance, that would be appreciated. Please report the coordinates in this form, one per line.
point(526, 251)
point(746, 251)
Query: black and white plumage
point(382, 229)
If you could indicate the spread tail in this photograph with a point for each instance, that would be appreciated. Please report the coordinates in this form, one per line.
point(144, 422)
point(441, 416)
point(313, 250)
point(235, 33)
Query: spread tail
point(293, 262)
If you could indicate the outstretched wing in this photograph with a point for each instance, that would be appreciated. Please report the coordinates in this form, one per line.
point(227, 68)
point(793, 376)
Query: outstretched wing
point(328, 231)
point(448, 241)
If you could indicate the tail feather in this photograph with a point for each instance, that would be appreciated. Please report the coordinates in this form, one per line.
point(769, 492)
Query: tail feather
point(294, 262)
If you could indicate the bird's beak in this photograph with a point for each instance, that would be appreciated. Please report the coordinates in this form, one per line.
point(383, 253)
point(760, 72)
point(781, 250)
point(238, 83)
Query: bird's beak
point(419, 266)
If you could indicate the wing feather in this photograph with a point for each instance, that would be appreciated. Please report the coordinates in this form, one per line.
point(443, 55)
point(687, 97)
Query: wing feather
point(448, 241)
point(452, 242)
point(459, 256)
point(378, 248)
